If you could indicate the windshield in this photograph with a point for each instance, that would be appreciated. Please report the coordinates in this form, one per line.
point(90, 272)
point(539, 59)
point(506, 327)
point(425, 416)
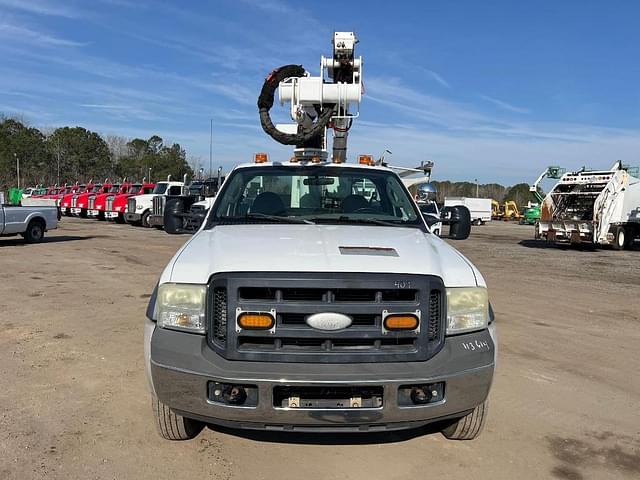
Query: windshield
point(315, 194)
point(160, 188)
point(114, 189)
point(95, 189)
point(135, 189)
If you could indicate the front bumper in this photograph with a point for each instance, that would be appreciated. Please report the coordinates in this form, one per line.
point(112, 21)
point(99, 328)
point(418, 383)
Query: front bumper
point(132, 217)
point(93, 213)
point(156, 220)
point(111, 214)
point(181, 365)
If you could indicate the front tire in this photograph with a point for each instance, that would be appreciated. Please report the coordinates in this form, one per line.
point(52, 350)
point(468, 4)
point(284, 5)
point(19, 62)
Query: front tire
point(620, 239)
point(144, 221)
point(172, 426)
point(469, 426)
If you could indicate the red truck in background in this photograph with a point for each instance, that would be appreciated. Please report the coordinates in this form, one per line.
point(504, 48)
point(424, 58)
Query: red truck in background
point(68, 200)
point(50, 191)
point(102, 202)
point(119, 205)
point(81, 202)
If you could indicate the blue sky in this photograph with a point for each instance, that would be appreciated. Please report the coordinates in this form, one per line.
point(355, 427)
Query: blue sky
point(494, 90)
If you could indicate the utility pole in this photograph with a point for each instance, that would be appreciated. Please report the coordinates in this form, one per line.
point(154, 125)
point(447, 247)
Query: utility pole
point(211, 150)
point(477, 188)
point(58, 151)
point(15, 155)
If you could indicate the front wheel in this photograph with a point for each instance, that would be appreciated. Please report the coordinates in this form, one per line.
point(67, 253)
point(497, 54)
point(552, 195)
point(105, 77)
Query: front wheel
point(620, 239)
point(469, 426)
point(172, 426)
point(144, 221)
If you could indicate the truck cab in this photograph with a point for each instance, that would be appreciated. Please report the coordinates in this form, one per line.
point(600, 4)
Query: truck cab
point(140, 207)
point(66, 202)
point(79, 202)
point(194, 197)
point(119, 204)
point(97, 204)
point(307, 303)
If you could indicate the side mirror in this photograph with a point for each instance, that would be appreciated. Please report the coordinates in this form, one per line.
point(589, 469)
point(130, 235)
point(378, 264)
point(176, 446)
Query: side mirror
point(459, 219)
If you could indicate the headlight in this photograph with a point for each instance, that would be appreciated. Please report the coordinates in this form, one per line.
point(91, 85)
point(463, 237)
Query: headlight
point(467, 309)
point(139, 207)
point(181, 306)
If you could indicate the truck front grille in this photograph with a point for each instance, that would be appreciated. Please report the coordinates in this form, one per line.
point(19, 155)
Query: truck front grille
point(109, 204)
point(131, 205)
point(295, 296)
point(74, 201)
point(91, 202)
point(158, 204)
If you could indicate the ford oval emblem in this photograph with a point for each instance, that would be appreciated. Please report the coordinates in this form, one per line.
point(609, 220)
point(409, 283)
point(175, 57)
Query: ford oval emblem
point(328, 321)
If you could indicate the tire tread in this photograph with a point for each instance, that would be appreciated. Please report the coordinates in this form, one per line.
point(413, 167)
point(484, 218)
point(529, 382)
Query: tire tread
point(469, 426)
point(172, 426)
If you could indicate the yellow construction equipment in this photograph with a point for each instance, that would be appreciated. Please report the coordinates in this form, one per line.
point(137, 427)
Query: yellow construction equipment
point(507, 211)
point(496, 213)
point(510, 211)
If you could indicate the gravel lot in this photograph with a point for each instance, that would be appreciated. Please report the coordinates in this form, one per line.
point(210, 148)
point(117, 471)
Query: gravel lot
point(74, 403)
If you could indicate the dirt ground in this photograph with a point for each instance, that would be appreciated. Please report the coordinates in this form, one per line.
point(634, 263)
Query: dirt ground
point(74, 403)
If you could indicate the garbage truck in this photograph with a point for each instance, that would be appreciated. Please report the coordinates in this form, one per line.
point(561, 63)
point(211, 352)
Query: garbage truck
point(593, 207)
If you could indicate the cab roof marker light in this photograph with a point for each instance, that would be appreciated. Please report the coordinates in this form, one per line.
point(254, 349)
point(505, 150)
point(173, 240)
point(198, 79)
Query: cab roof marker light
point(366, 160)
point(261, 157)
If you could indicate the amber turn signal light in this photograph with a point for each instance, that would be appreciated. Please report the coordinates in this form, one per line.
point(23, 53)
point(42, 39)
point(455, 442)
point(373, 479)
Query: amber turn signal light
point(401, 322)
point(256, 321)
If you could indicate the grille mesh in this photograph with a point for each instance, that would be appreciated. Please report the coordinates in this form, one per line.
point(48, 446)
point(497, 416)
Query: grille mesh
point(435, 301)
point(220, 315)
point(92, 202)
point(131, 205)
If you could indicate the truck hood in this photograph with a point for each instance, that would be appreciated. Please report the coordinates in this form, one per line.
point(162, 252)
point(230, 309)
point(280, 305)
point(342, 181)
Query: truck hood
point(146, 198)
point(318, 248)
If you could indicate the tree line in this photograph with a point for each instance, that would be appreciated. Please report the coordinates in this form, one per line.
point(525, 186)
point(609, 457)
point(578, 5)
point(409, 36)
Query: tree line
point(70, 154)
point(519, 193)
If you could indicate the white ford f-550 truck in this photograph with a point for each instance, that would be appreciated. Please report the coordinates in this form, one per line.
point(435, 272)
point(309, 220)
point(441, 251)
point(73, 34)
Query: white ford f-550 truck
point(314, 296)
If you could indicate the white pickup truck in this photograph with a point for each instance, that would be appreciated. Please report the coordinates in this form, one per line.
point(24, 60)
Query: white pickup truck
point(30, 222)
point(140, 207)
point(302, 305)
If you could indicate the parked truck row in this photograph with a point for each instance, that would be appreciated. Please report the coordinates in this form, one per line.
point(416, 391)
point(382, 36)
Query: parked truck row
point(136, 203)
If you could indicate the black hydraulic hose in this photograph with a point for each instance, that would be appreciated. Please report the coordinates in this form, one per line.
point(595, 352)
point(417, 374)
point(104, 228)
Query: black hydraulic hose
point(265, 102)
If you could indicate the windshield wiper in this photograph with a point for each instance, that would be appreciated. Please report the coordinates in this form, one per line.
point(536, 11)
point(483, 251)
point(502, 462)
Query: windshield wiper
point(366, 221)
point(273, 218)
